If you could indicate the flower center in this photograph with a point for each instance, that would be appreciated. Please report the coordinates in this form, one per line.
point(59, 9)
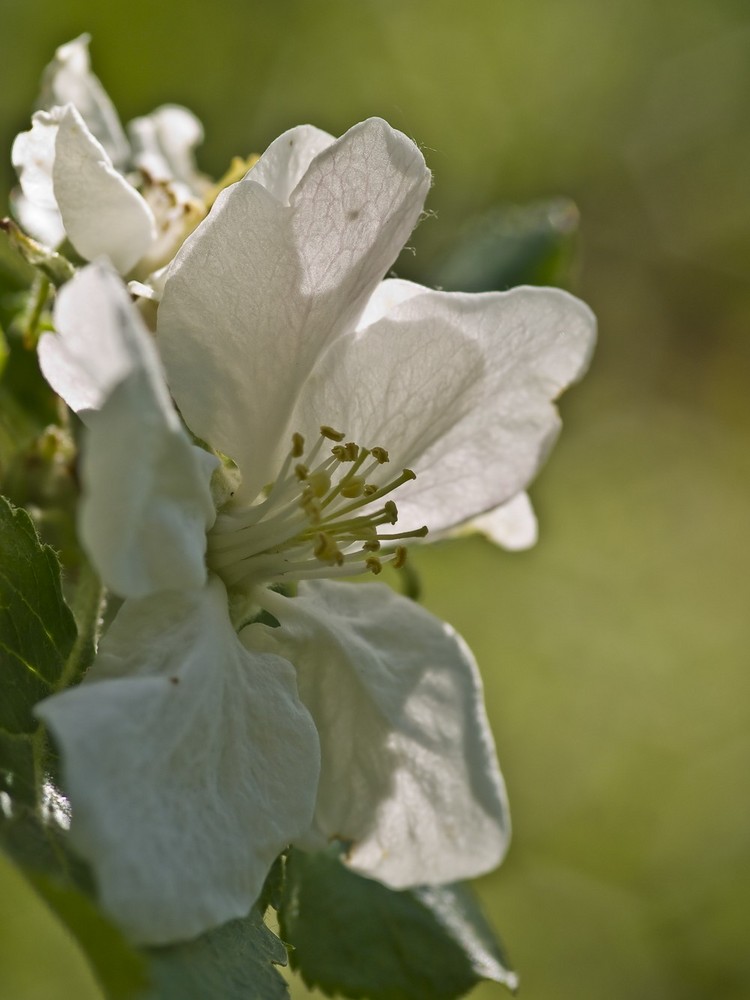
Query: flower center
point(321, 517)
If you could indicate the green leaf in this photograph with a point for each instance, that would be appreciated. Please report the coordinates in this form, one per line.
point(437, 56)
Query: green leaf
point(352, 936)
point(512, 245)
point(37, 629)
point(121, 971)
point(17, 779)
point(27, 403)
point(235, 962)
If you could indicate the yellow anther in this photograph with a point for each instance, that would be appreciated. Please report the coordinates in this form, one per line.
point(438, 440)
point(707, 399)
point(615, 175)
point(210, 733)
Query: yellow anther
point(391, 510)
point(368, 489)
point(373, 564)
point(331, 434)
point(353, 487)
point(298, 445)
point(380, 455)
point(407, 474)
point(301, 471)
point(372, 545)
point(348, 452)
point(326, 549)
point(400, 557)
point(319, 483)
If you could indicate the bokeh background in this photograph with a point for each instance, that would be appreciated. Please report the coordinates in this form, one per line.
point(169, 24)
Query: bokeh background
point(615, 653)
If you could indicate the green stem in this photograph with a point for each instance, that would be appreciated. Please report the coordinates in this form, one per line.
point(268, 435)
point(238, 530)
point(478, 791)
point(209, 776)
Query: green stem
point(41, 294)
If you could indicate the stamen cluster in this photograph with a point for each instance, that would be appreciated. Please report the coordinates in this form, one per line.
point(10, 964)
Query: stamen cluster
point(306, 524)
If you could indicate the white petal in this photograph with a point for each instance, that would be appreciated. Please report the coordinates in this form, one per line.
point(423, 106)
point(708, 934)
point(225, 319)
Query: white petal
point(102, 213)
point(164, 145)
point(261, 287)
point(409, 773)
point(100, 340)
point(513, 525)
point(189, 762)
point(68, 80)
point(33, 157)
point(147, 501)
point(457, 387)
point(287, 159)
point(44, 224)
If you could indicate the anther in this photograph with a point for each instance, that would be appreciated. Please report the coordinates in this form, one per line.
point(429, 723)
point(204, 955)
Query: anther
point(372, 545)
point(298, 445)
point(380, 455)
point(331, 434)
point(391, 510)
point(368, 489)
point(373, 564)
point(400, 557)
point(326, 549)
point(301, 471)
point(346, 452)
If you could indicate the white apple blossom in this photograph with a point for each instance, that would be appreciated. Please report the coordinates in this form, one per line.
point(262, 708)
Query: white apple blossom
point(133, 201)
point(222, 719)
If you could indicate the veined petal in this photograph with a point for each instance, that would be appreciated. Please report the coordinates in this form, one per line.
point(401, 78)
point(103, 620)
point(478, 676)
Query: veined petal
point(146, 501)
point(457, 387)
point(164, 145)
point(409, 773)
point(287, 159)
point(513, 525)
point(262, 286)
point(102, 213)
point(190, 763)
point(68, 80)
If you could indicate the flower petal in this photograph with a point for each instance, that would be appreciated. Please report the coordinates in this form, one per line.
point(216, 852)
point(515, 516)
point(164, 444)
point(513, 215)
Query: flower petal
point(33, 157)
point(409, 773)
point(287, 159)
point(164, 145)
point(147, 500)
point(68, 80)
point(190, 764)
point(513, 525)
point(261, 287)
point(102, 213)
point(458, 388)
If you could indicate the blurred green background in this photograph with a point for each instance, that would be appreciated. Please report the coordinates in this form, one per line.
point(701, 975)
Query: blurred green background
point(614, 654)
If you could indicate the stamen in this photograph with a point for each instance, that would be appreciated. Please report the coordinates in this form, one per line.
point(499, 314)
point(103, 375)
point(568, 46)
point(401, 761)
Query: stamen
point(327, 550)
point(400, 558)
point(354, 487)
point(318, 519)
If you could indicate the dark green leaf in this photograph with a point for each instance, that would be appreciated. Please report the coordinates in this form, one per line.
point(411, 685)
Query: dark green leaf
point(17, 768)
point(37, 629)
point(234, 962)
point(352, 936)
point(512, 245)
point(27, 403)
